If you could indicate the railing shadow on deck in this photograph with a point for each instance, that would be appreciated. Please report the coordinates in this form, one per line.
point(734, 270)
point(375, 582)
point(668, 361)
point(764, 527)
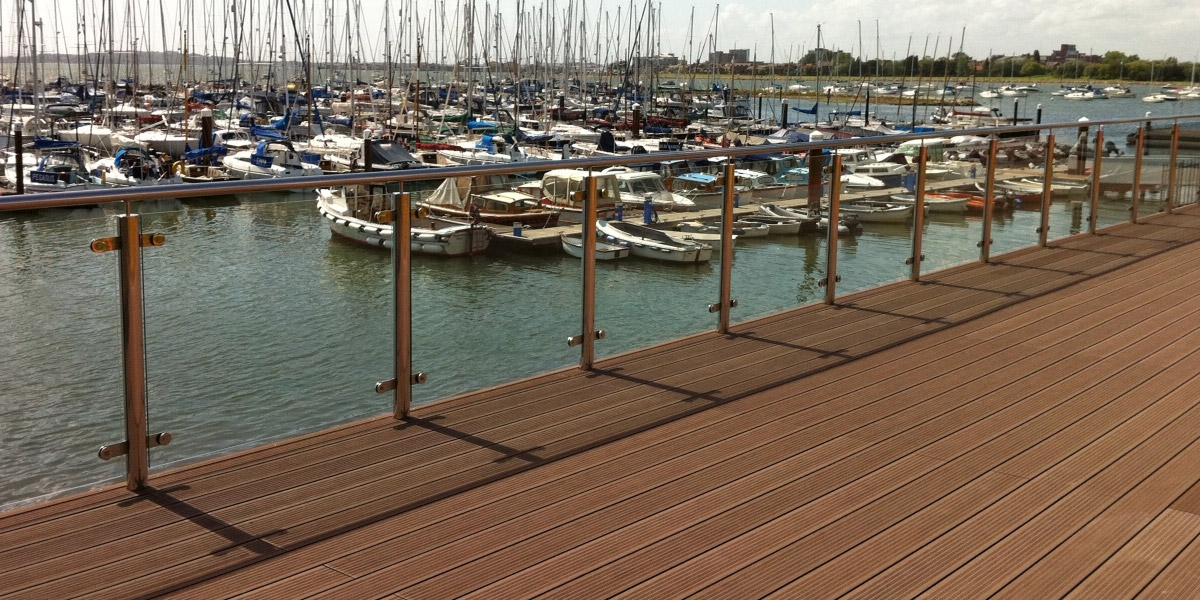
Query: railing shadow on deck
point(689, 401)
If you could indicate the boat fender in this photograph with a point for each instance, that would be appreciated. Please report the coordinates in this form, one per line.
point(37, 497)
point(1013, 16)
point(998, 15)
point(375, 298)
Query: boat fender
point(421, 212)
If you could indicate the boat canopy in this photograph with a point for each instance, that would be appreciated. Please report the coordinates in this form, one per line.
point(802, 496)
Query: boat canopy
point(267, 134)
point(195, 155)
point(42, 143)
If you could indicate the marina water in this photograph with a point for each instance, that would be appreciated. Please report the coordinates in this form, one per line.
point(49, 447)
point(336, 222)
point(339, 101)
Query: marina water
point(260, 326)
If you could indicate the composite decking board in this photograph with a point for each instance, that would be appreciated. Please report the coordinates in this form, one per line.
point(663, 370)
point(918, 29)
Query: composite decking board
point(118, 492)
point(673, 552)
point(1180, 578)
point(944, 557)
point(312, 580)
point(1018, 554)
point(233, 465)
point(854, 566)
point(814, 321)
point(418, 569)
point(1128, 569)
point(717, 564)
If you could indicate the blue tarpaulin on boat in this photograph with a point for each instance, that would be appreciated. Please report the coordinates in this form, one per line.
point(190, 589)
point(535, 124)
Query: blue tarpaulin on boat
point(807, 111)
point(267, 134)
point(481, 125)
point(49, 144)
point(205, 152)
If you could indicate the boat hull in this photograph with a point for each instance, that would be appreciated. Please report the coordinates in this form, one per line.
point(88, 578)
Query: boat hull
point(459, 240)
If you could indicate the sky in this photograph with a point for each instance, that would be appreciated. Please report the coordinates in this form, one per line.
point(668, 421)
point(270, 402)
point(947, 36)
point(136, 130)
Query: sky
point(1152, 29)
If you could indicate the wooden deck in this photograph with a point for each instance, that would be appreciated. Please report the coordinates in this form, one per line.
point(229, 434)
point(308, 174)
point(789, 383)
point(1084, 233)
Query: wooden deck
point(1026, 429)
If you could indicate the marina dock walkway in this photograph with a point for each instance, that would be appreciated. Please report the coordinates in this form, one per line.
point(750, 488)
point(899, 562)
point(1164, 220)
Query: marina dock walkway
point(1028, 429)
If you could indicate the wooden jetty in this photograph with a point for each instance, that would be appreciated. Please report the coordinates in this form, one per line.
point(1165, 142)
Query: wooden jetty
point(1027, 428)
point(546, 239)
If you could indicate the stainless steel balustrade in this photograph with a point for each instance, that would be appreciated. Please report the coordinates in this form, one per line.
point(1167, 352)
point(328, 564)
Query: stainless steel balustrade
point(130, 240)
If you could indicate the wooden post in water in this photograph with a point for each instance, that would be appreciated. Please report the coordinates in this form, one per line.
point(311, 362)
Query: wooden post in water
point(368, 153)
point(919, 216)
point(19, 148)
point(816, 165)
point(831, 249)
point(1173, 177)
point(726, 293)
point(402, 293)
point(1097, 164)
point(989, 201)
point(1047, 192)
point(589, 334)
point(1137, 175)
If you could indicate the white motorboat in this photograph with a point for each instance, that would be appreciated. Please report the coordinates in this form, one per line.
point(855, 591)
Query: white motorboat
point(878, 213)
point(270, 159)
point(563, 190)
point(635, 187)
point(955, 204)
point(775, 225)
point(651, 243)
point(572, 244)
point(709, 239)
point(758, 185)
point(53, 166)
point(132, 166)
point(854, 181)
point(1058, 187)
point(490, 150)
point(363, 214)
point(99, 137)
point(1157, 98)
point(846, 226)
point(741, 229)
point(169, 142)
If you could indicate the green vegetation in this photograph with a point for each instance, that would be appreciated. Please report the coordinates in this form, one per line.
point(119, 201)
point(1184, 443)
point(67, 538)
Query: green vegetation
point(1113, 66)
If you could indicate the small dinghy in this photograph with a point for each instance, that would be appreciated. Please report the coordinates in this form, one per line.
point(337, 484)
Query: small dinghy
point(572, 244)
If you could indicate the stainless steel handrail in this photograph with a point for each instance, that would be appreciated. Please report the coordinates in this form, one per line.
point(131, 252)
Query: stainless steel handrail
point(193, 190)
point(138, 441)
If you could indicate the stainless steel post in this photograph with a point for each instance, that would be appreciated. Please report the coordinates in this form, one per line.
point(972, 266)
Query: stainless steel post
point(831, 249)
point(726, 250)
point(919, 216)
point(402, 280)
point(1047, 193)
point(137, 461)
point(588, 356)
point(1097, 164)
point(1137, 175)
point(1173, 177)
point(989, 202)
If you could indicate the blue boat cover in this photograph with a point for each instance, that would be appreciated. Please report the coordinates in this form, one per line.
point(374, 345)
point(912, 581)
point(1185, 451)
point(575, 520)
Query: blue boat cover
point(42, 143)
point(204, 152)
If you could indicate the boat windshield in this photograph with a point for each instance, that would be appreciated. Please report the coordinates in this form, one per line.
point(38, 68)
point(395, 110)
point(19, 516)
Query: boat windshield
point(648, 185)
